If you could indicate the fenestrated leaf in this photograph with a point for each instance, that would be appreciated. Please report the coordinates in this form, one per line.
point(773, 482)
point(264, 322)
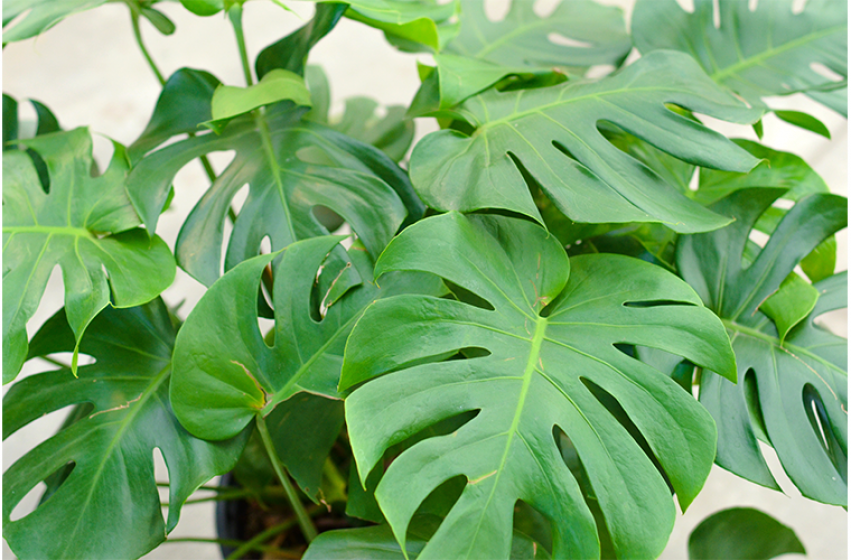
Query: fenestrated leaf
point(486, 51)
point(41, 15)
point(277, 85)
point(86, 225)
point(224, 371)
point(46, 122)
point(290, 53)
point(355, 180)
point(552, 330)
point(742, 534)
point(183, 104)
point(767, 51)
point(409, 24)
point(108, 507)
point(551, 133)
point(792, 395)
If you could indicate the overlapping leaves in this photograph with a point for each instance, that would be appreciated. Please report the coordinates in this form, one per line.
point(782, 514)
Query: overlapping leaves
point(484, 51)
point(546, 332)
point(355, 180)
point(85, 225)
point(225, 372)
point(551, 136)
point(756, 53)
point(109, 506)
point(792, 394)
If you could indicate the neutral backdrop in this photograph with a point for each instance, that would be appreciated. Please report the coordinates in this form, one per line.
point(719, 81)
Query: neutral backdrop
point(89, 71)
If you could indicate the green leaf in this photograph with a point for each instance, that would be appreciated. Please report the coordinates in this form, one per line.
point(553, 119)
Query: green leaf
point(797, 390)
point(225, 373)
point(548, 339)
point(742, 534)
point(767, 51)
point(357, 181)
point(375, 543)
point(290, 53)
point(485, 51)
point(46, 123)
point(10, 119)
point(108, 507)
point(551, 134)
point(183, 104)
point(203, 7)
point(158, 20)
point(40, 16)
point(277, 85)
point(409, 24)
point(805, 121)
point(793, 301)
point(86, 226)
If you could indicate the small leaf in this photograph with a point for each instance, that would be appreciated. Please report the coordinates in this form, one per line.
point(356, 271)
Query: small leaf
point(277, 85)
point(409, 24)
point(158, 20)
point(821, 262)
point(790, 304)
point(203, 7)
point(742, 534)
point(805, 121)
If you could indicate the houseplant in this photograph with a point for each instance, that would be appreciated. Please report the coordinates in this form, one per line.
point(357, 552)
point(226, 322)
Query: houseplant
point(509, 302)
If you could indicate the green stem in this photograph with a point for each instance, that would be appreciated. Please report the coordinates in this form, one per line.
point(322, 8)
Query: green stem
point(134, 16)
point(235, 15)
point(304, 521)
point(255, 543)
point(55, 362)
point(229, 542)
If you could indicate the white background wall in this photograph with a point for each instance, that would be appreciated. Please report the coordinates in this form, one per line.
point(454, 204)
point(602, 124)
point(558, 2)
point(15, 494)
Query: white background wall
point(90, 73)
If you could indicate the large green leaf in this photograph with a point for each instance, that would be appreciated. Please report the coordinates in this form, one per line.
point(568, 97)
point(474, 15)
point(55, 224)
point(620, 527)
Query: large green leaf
point(742, 534)
point(792, 395)
point(551, 134)
point(546, 351)
point(756, 53)
point(225, 372)
point(108, 507)
point(85, 225)
point(40, 15)
point(355, 180)
point(486, 51)
point(409, 24)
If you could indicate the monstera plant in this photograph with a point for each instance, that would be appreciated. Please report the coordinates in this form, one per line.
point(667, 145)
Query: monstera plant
point(530, 335)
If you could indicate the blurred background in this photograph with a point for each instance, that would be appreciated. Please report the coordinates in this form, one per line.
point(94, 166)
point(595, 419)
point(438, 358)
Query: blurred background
point(89, 72)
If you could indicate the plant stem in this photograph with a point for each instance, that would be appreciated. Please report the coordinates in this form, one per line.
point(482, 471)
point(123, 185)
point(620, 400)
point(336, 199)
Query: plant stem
point(256, 541)
point(304, 521)
point(235, 15)
point(55, 362)
point(230, 542)
point(134, 16)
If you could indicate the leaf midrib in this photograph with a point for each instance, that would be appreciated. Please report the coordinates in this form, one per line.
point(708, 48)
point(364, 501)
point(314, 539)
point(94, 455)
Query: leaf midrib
point(50, 230)
point(534, 356)
point(758, 59)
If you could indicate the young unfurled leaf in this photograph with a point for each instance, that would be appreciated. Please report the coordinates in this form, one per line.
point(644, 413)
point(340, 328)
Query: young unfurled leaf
point(755, 53)
point(544, 333)
point(552, 135)
point(792, 394)
point(85, 225)
point(108, 506)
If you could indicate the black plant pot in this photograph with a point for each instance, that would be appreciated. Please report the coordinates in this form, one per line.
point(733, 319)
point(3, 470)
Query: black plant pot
point(230, 520)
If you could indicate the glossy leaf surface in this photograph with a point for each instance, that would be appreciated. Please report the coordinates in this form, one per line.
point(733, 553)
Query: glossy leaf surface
point(85, 225)
point(767, 51)
point(225, 372)
point(40, 15)
point(524, 43)
point(353, 179)
point(109, 506)
point(742, 534)
point(547, 341)
point(551, 134)
point(791, 392)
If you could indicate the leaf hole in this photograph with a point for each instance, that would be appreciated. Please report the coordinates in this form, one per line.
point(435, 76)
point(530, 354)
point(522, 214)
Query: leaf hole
point(752, 4)
point(826, 72)
point(750, 389)
point(220, 160)
point(835, 321)
point(820, 421)
point(102, 151)
point(544, 8)
point(716, 14)
point(239, 198)
point(161, 474)
point(497, 10)
point(41, 492)
point(443, 498)
point(599, 71)
point(563, 41)
point(533, 524)
point(464, 295)
point(687, 5)
point(798, 6)
point(658, 303)
point(327, 218)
